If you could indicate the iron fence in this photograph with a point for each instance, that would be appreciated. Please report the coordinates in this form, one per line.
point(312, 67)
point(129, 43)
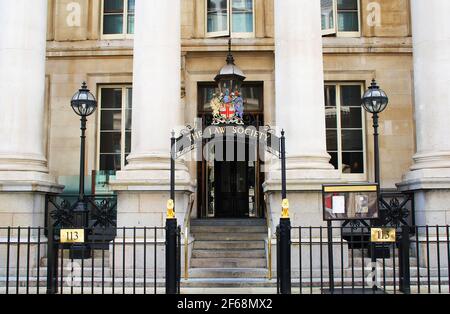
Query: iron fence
point(133, 262)
point(339, 260)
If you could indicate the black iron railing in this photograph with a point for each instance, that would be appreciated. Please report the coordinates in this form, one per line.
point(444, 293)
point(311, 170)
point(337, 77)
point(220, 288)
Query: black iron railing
point(102, 215)
point(134, 263)
point(418, 261)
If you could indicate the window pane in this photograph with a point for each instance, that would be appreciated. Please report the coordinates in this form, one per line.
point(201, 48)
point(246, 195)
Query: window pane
point(131, 6)
point(352, 140)
point(128, 142)
point(110, 163)
point(128, 119)
point(242, 23)
point(351, 118)
point(242, 16)
point(130, 24)
point(129, 98)
point(330, 95)
point(332, 140)
point(252, 96)
point(331, 117)
point(111, 120)
point(217, 16)
point(111, 98)
point(334, 159)
point(347, 4)
point(113, 24)
point(113, 6)
point(348, 22)
point(207, 93)
point(110, 143)
point(327, 14)
point(351, 95)
point(353, 162)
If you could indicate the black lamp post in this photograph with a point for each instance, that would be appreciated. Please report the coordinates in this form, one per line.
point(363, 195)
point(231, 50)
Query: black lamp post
point(375, 101)
point(84, 105)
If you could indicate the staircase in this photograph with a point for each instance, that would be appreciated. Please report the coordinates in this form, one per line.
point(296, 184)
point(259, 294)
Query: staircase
point(228, 253)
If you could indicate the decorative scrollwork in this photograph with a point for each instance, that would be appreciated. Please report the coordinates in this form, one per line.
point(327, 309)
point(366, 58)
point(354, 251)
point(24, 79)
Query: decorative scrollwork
point(355, 224)
point(62, 215)
point(103, 213)
point(187, 130)
point(393, 209)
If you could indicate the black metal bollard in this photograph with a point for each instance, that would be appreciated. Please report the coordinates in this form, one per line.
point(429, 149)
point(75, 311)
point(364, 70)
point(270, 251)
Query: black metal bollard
point(404, 264)
point(285, 256)
point(52, 261)
point(171, 256)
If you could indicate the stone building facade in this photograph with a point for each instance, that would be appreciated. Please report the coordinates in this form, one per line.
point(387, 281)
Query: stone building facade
point(151, 64)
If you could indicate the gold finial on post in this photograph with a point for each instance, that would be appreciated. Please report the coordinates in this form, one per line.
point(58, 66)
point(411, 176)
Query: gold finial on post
point(285, 207)
point(170, 209)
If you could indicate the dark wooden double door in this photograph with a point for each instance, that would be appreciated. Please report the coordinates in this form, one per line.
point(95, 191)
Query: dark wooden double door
point(232, 189)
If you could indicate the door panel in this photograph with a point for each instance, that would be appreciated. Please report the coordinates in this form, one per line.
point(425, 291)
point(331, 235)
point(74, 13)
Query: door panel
point(231, 189)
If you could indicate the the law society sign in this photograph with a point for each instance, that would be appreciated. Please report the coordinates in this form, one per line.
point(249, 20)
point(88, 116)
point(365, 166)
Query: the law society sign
point(350, 202)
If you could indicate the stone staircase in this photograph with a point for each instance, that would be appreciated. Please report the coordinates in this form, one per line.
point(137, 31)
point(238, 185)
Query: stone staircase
point(229, 252)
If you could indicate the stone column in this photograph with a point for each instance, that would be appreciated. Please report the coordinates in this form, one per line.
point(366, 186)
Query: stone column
point(23, 165)
point(300, 109)
point(429, 176)
point(144, 184)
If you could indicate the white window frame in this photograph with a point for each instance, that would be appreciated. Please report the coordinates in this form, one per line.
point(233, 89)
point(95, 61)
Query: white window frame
point(335, 29)
point(355, 177)
point(229, 31)
point(123, 130)
point(124, 34)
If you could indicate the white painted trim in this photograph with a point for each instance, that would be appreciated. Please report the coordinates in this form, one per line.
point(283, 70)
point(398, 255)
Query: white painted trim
point(124, 88)
point(352, 177)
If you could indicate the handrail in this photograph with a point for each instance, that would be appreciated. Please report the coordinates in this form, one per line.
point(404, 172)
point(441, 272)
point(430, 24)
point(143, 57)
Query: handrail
point(187, 226)
point(269, 236)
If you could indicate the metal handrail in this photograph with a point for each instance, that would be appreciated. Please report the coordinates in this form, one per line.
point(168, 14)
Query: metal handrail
point(269, 237)
point(187, 226)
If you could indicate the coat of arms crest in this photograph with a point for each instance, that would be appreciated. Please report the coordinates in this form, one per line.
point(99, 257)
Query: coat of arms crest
point(228, 108)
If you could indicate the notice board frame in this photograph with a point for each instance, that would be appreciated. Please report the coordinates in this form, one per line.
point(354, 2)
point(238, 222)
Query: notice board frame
point(372, 190)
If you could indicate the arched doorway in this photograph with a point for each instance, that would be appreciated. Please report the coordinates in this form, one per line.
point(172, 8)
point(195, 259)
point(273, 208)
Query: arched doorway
point(231, 187)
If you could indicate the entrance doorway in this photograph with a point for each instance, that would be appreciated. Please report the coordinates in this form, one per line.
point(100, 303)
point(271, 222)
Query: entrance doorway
point(232, 187)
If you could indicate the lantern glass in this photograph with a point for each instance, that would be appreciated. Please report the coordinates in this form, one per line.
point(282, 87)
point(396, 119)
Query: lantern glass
point(229, 84)
point(375, 100)
point(83, 102)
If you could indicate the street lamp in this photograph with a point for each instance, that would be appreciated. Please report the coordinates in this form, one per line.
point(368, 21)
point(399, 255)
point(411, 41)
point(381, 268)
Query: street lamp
point(375, 101)
point(230, 77)
point(84, 105)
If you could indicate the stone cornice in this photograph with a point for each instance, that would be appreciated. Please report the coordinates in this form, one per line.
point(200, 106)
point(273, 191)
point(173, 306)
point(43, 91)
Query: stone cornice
point(331, 45)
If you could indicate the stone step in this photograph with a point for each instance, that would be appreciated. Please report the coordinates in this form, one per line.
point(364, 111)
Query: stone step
point(224, 236)
point(98, 262)
point(220, 283)
point(228, 222)
point(218, 245)
point(228, 263)
point(87, 272)
point(228, 229)
point(238, 273)
point(252, 253)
